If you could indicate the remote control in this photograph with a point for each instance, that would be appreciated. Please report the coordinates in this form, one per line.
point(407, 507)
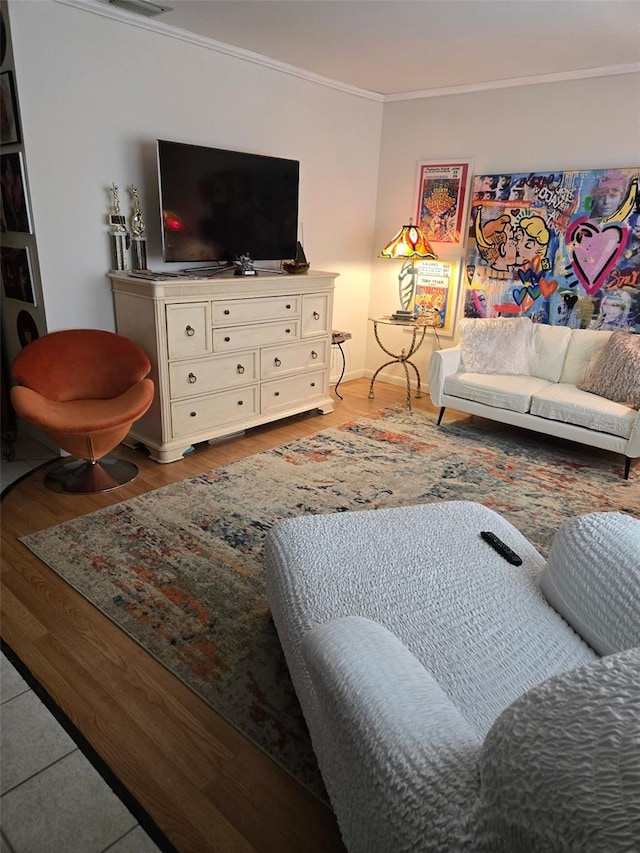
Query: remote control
point(502, 549)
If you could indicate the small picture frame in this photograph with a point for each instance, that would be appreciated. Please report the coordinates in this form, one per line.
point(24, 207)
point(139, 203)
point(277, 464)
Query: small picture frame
point(443, 199)
point(9, 127)
point(15, 270)
point(14, 214)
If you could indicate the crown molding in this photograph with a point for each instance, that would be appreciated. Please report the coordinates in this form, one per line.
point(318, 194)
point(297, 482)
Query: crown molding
point(513, 82)
point(153, 25)
point(100, 7)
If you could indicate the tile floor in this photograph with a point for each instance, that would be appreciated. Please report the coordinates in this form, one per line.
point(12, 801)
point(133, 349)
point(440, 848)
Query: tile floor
point(52, 799)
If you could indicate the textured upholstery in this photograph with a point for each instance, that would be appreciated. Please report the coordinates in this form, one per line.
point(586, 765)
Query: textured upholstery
point(592, 578)
point(83, 388)
point(410, 642)
point(407, 732)
point(560, 768)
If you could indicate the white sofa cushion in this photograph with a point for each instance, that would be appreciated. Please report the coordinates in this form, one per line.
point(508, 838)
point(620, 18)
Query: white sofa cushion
point(503, 392)
point(548, 350)
point(592, 578)
point(495, 345)
point(584, 345)
point(566, 403)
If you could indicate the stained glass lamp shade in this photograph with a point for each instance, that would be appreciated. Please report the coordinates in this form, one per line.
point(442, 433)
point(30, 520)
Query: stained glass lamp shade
point(409, 243)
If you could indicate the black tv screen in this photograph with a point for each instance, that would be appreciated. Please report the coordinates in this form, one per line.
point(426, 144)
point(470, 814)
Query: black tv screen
point(218, 205)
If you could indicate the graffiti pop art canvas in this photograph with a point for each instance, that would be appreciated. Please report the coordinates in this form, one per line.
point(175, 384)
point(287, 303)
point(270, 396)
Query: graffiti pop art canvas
point(562, 248)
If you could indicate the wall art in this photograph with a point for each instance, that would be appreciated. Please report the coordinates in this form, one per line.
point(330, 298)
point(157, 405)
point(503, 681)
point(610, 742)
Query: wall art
point(14, 215)
point(436, 295)
point(562, 248)
point(443, 195)
point(9, 128)
point(15, 269)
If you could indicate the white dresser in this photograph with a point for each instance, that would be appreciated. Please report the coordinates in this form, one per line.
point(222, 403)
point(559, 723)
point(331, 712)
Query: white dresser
point(227, 353)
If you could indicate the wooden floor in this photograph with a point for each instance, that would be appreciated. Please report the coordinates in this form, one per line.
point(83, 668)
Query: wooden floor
point(205, 785)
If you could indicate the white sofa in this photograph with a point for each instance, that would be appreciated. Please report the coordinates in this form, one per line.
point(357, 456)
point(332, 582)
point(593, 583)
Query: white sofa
point(457, 702)
point(535, 384)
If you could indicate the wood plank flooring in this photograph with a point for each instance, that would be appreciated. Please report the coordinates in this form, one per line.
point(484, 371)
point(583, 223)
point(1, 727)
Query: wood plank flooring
point(206, 786)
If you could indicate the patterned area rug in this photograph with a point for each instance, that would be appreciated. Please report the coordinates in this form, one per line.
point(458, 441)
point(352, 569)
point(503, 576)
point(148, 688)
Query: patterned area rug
point(180, 568)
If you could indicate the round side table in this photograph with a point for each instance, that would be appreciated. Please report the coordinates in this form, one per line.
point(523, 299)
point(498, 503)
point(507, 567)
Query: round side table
point(404, 356)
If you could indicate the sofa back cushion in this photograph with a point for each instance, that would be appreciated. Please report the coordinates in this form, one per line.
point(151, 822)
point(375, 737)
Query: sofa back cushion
point(559, 767)
point(583, 345)
point(495, 345)
point(592, 579)
point(548, 350)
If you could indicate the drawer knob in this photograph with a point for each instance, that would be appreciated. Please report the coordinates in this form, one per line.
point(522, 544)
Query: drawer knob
point(288, 307)
point(288, 331)
point(227, 312)
point(192, 378)
point(316, 316)
point(276, 394)
point(240, 368)
point(313, 384)
point(314, 354)
point(277, 362)
point(240, 402)
point(190, 331)
point(193, 414)
point(226, 340)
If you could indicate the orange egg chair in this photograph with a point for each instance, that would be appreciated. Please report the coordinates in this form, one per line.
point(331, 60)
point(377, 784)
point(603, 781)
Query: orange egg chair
point(83, 388)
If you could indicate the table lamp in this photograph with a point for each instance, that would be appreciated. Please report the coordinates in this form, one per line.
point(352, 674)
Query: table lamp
point(409, 243)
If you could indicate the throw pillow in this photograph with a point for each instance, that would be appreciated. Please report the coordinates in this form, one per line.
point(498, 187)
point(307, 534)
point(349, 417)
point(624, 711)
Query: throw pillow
point(614, 372)
point(496, 345)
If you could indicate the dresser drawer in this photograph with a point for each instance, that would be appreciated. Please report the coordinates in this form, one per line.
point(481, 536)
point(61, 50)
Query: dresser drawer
point(294, 358)
point(188, 329)
point(315, 314)
point(290, 392)
point(255, 310)
point(206, 413)
point(192, 378)
point(246, 337)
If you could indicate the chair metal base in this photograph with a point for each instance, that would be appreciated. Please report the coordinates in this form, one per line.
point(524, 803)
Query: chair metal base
point(83, 477)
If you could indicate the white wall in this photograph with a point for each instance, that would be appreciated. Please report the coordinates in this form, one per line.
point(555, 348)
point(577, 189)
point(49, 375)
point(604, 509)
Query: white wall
point(581, 124)
point(96, 93)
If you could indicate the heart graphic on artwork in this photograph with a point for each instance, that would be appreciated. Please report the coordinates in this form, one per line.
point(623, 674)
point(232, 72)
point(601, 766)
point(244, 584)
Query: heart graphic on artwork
point(594, 251)
point(519, 294)
point(547, 288)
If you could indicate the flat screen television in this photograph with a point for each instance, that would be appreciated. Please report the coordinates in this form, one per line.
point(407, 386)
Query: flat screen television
point(218, 205)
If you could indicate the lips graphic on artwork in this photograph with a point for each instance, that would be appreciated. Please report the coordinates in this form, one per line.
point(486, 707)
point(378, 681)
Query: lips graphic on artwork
point(594, 251)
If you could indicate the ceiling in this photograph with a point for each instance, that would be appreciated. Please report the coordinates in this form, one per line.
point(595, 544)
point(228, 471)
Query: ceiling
point(397, 47)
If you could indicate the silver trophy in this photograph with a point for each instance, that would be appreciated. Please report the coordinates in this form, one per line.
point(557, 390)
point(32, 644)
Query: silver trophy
point(136, 224)
point(120, 238)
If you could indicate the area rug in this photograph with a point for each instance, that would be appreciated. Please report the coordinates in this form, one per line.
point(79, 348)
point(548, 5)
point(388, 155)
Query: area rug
point(180, 568)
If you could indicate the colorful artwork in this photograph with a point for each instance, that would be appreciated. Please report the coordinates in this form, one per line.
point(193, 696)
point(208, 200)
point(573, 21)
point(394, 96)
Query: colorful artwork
point(442, 196)
point(434, 297)
point(562, 248)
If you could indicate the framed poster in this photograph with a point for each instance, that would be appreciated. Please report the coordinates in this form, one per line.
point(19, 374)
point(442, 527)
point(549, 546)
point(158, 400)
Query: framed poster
point(562, 248)
point(435, 296)
point(14, 215)
point(9, 130)
point(15, 270)
point(443, 196)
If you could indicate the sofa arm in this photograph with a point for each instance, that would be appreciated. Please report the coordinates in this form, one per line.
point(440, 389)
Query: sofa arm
point(633, 448)
point(443, 363)
point(399, 761)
